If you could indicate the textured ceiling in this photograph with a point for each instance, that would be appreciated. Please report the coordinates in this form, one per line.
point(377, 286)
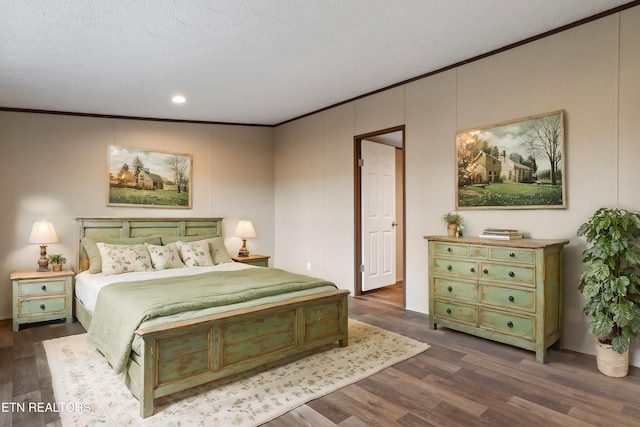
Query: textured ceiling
point(246, 61)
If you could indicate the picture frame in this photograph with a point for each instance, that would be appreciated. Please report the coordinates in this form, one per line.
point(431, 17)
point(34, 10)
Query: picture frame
point(518, 164)
point(145, 178)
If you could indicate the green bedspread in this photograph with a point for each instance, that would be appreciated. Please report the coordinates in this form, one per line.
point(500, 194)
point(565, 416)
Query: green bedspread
point(122, 307)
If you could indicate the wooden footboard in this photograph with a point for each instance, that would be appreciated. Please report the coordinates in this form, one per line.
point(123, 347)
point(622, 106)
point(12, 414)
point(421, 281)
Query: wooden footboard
point(182, 355)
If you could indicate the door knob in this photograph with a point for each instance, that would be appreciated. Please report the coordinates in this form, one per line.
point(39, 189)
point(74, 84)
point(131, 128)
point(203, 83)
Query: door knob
point(394, 224)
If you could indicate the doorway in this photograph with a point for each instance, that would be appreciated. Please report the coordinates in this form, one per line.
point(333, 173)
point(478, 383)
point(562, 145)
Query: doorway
point(379, 216)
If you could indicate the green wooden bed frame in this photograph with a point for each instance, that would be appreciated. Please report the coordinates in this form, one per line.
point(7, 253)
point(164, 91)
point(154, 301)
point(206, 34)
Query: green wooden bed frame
point(181, 355)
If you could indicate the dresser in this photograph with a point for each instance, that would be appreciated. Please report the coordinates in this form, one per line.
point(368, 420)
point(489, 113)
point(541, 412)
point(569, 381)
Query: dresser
point(504, 290)
point(41, 296)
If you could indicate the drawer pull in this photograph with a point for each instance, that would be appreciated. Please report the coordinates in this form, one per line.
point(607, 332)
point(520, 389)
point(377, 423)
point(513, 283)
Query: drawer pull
point(448, 311)
point(44, 287)
point(510, 324)
point(42, 306)
point(485, 271)
point(473, 270)
point(448, 249)
point(511, 298)
point(512, 255)
point(449, 288)
point(512, 274)
point(449, 267)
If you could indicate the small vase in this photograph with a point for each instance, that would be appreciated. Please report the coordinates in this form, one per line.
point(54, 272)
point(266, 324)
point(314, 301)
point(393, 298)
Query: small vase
point(57, 267)
point(452, 230)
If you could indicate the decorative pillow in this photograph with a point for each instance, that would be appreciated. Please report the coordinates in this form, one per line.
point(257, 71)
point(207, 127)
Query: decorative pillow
point(164, 257)
point(217, 248)
point(218, 251)
point(195, 254)
point(95, 260)
point(117, 259)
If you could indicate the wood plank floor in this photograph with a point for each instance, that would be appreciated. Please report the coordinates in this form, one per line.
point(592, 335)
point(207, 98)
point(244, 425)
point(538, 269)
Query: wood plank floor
point(392, 294)
point(461, 381)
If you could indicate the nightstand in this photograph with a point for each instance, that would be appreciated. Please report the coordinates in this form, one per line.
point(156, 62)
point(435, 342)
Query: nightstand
point(41, 296)
point(259, 260)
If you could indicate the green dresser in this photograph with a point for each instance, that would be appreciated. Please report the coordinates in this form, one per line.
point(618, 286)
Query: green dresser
point(504, 290)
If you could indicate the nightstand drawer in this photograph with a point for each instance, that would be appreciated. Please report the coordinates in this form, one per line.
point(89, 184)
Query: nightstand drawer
point(40, 287)
point(40, 306)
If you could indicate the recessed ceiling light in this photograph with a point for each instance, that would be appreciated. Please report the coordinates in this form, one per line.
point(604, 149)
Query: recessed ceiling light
point(179, 99)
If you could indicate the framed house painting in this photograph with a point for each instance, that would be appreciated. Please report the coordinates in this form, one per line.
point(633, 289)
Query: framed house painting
point(144, 178)
point(512, 165)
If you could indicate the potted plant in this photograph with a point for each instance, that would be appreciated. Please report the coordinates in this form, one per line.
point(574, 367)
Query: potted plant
point(611, 285)
point(57, 261)
point(454, 222)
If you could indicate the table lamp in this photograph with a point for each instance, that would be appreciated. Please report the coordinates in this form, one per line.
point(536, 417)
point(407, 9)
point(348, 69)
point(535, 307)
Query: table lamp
point(244, 230)
point(42, 234)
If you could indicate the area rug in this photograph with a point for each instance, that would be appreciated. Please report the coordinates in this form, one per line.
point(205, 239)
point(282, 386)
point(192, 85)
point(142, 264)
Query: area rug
point(87, 392)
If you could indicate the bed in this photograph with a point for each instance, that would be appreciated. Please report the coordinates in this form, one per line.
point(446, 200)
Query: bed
point(179, 351)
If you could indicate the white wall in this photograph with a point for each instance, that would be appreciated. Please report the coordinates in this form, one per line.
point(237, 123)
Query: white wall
point(55, 167)
point(590, 72)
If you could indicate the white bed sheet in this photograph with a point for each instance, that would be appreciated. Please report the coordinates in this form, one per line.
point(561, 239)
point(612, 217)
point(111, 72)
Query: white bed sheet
point(87, 285)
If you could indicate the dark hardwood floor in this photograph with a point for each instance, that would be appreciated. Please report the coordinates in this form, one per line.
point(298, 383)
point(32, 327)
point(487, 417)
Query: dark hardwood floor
point(460, 381)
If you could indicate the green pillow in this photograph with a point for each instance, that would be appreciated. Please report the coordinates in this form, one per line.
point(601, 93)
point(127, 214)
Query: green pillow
point(95, 260)
point(217, 248)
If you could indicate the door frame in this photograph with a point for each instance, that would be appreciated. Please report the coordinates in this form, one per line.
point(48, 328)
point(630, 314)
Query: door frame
point(357, 141)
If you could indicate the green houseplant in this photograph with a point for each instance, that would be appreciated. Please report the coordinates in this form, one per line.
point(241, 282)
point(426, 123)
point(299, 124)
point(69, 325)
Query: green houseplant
point(57, 261)
point(454, 223)
point(610, 281)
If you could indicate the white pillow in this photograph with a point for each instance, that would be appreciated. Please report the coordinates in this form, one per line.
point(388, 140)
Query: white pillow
point(164, 257)
point(195, 254)
point(117, 259)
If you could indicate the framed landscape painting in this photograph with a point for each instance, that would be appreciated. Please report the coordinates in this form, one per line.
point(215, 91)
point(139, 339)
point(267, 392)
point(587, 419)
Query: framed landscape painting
point(145, 178)
point(512, 165)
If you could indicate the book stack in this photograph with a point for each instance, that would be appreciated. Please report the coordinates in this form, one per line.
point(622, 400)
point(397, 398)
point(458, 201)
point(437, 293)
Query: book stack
point(500, 234)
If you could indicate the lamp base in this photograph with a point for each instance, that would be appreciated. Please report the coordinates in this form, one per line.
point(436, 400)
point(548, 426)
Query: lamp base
point(243, 250)
point(43, 262)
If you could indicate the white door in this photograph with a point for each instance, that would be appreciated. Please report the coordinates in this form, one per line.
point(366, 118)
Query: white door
point(378, 215)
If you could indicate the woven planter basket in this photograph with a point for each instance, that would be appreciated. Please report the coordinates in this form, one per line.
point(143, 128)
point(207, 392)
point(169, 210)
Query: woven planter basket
point(611, 363)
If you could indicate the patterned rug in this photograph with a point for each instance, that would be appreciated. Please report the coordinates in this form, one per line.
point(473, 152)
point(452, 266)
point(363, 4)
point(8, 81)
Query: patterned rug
point(88, 393)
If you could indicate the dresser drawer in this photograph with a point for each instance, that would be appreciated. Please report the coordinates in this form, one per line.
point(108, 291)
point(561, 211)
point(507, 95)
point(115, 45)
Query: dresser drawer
point(455, 267)
point(41, 287)
point(509, 273)
point(527, 256)
point(477, 252)
point(40, 306)
point(451, 249)
point(500, 296)
point(508, 323)
point(461, 313)
point(456, 289)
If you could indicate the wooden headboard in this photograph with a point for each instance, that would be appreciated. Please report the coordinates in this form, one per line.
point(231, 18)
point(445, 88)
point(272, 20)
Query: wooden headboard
point(98, 228)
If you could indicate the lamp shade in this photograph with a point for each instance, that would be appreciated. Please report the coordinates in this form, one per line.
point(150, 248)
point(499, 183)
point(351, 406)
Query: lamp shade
point(43, 233)
point(245, 229)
